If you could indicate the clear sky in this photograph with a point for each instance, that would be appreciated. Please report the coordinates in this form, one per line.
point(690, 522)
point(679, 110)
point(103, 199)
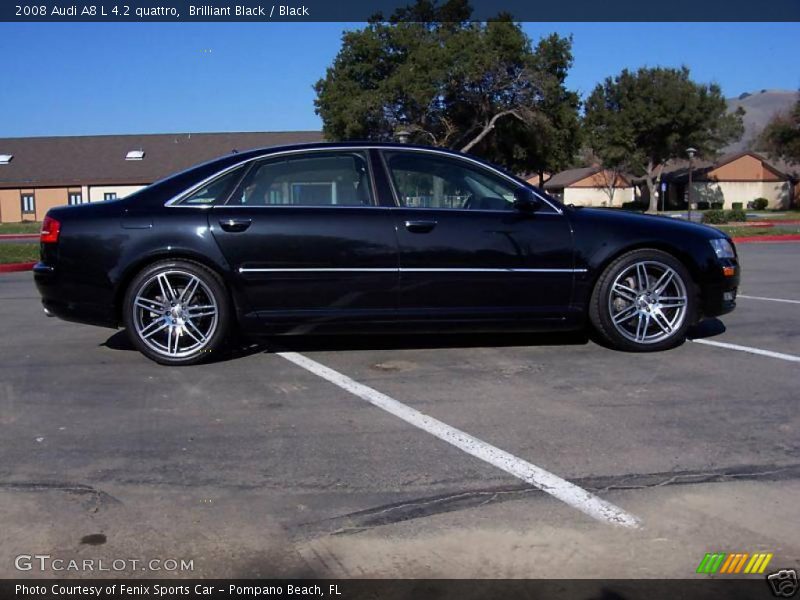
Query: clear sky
point(96, 78)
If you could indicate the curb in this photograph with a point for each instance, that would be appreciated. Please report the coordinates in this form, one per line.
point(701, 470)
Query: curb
point(19, 236)
point(754, 239)
point(16, 267)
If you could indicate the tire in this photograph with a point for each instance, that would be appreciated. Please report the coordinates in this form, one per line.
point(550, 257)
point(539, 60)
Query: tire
point(168, 326)
point(644, 301)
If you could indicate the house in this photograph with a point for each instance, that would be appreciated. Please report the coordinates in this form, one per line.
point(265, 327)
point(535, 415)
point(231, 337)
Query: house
point(590, 186)
point(739, 177)
point(39, 173)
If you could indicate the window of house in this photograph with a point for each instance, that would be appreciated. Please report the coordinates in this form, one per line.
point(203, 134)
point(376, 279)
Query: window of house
point(74, 198)
point(422, 180)
point(110, 196)
point(313, 179)
point(28, 202)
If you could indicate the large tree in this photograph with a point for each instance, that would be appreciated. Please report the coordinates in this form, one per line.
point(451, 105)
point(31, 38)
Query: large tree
point(640, 120)
point(449, 82)
point(781, 136)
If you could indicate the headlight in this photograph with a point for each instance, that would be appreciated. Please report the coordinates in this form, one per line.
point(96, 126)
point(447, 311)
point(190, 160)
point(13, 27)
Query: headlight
point(723, 248)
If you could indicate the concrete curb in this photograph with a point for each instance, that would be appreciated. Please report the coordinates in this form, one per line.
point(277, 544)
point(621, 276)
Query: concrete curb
point(19, 236)
point(16, 267)
point(755, 239)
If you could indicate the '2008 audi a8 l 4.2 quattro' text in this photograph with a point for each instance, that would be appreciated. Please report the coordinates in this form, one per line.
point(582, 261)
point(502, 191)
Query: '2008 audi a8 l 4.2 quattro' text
point(359, 237)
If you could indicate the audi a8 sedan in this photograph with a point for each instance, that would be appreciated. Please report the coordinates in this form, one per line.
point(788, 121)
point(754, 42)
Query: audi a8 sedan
point(372, 238)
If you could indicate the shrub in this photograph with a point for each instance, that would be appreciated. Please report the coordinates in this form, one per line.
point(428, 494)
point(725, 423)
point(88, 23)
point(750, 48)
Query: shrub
point(635, 205)
point(736, 215)
point(703, 205)
point(760, 203)
point(737, 206)
point(715, 217)
point(717, 205)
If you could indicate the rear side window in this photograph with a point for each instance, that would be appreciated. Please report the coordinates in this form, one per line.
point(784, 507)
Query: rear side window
point(215, 191)
point(318, 179)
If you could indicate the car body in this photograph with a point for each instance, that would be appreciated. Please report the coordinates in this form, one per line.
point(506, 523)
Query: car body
point(366, 237)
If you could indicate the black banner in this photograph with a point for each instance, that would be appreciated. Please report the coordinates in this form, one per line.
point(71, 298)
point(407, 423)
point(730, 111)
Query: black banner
point(406, 589)
point(361, 10)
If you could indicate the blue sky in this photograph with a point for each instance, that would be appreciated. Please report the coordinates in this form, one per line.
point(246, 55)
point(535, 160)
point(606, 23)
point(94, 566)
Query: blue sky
point(89, 78)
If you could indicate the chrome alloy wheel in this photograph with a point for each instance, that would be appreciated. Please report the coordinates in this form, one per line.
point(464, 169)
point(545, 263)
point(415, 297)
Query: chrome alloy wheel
point(648, 302)
point(175, 313)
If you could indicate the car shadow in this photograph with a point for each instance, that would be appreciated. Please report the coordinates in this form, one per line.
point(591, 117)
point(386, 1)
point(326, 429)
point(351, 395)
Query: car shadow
point(706, 329)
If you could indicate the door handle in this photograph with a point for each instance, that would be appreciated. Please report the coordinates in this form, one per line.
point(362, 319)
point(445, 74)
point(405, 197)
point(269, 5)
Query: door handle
point(420, 226)
point(235, 225)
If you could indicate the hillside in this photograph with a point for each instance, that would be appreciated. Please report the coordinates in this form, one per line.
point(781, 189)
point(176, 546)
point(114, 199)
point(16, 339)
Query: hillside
point(760, 107)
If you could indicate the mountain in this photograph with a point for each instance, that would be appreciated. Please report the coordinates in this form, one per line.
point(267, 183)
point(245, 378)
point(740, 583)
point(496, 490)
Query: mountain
point(760, 108)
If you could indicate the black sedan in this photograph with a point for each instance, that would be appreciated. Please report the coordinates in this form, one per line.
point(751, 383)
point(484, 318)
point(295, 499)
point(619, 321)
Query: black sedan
point(372, 238)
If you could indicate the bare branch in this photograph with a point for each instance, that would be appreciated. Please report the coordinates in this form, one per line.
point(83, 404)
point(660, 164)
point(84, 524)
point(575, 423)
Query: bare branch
point(490, 126)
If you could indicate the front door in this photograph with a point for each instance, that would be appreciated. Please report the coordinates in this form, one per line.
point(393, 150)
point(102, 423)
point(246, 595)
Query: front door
point(465, 251)
point(306, 239)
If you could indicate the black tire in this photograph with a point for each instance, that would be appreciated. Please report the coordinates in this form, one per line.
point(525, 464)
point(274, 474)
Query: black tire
point(649, 307)
point(198, 328)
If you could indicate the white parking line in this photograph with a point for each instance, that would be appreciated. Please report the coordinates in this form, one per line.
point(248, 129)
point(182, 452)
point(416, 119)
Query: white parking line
point(769, 299)
point(565, 491)
point(751, 350)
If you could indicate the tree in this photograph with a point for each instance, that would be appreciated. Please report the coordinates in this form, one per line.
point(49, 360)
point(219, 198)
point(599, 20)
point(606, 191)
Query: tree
point(781, 136)
point(449, 82)
point(641, 120)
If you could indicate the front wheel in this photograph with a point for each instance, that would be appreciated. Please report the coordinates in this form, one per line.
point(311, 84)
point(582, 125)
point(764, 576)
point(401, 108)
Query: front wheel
point(176, 312)
point(644, 301)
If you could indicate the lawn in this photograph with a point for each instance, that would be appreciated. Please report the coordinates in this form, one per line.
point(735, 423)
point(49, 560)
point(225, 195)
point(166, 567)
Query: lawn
point(18, 253)
point(739, 231)
point(24, 227)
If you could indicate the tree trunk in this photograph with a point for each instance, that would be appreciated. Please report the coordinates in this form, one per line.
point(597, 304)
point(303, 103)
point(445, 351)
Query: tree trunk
point(653, 178)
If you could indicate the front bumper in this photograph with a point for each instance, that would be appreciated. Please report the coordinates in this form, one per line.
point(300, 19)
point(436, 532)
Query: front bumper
point(719, 295)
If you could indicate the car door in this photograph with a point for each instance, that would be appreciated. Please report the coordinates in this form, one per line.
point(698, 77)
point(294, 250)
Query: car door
point(306, 239)
point(465, 250)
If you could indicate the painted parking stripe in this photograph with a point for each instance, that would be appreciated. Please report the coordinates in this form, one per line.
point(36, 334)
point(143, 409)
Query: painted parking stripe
point(751, 350)
point(769, 299)
point(554, 485)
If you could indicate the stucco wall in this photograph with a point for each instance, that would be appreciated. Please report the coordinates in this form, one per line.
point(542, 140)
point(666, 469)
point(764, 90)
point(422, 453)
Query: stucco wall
point(96, 193)
point(596, 196)
point(10, 207)
point(47, 198)
point(777, 192)
point(745, 168)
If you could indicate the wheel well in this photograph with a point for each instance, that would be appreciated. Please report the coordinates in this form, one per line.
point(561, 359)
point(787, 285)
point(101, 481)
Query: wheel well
point(137, 267)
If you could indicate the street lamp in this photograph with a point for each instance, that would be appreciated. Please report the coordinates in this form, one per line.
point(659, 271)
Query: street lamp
point(691, 152)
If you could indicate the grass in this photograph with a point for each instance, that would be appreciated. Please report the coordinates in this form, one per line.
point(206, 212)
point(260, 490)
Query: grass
point(739, 231)
point(18, 253)
point(24, 227)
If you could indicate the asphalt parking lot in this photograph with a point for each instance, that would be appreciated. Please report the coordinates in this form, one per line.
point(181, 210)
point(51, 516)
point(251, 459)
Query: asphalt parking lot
point(258, 466)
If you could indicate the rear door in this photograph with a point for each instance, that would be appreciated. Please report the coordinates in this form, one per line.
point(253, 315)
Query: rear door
point(306, 238)
point(465, 251)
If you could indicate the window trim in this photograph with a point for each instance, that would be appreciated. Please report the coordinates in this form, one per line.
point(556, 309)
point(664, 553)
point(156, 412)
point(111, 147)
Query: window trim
point(175, 200)
point(113, 196)
point(71, 194)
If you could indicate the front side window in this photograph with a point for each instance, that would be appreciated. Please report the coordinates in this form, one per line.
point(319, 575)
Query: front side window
point(216, 190)
point(315, 179)
point(28, 203)
point(423, 180)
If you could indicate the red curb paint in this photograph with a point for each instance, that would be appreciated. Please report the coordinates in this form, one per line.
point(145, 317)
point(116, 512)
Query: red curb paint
point(14, 267)
point(750, 239)
point(19, 236)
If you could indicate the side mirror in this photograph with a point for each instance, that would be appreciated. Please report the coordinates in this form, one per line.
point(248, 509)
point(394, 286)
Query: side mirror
point(526, 200)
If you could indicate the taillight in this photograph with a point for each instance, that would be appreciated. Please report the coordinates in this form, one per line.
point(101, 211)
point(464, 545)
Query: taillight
point(50, 230)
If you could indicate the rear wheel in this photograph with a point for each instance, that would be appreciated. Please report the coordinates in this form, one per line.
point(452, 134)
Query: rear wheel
point(643, 301)
point(177, 312)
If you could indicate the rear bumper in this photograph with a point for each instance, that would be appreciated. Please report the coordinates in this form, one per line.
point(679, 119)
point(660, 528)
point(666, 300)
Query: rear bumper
point(63, 300)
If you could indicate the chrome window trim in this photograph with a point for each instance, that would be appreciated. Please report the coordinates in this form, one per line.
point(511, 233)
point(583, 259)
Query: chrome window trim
point(176, 199)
